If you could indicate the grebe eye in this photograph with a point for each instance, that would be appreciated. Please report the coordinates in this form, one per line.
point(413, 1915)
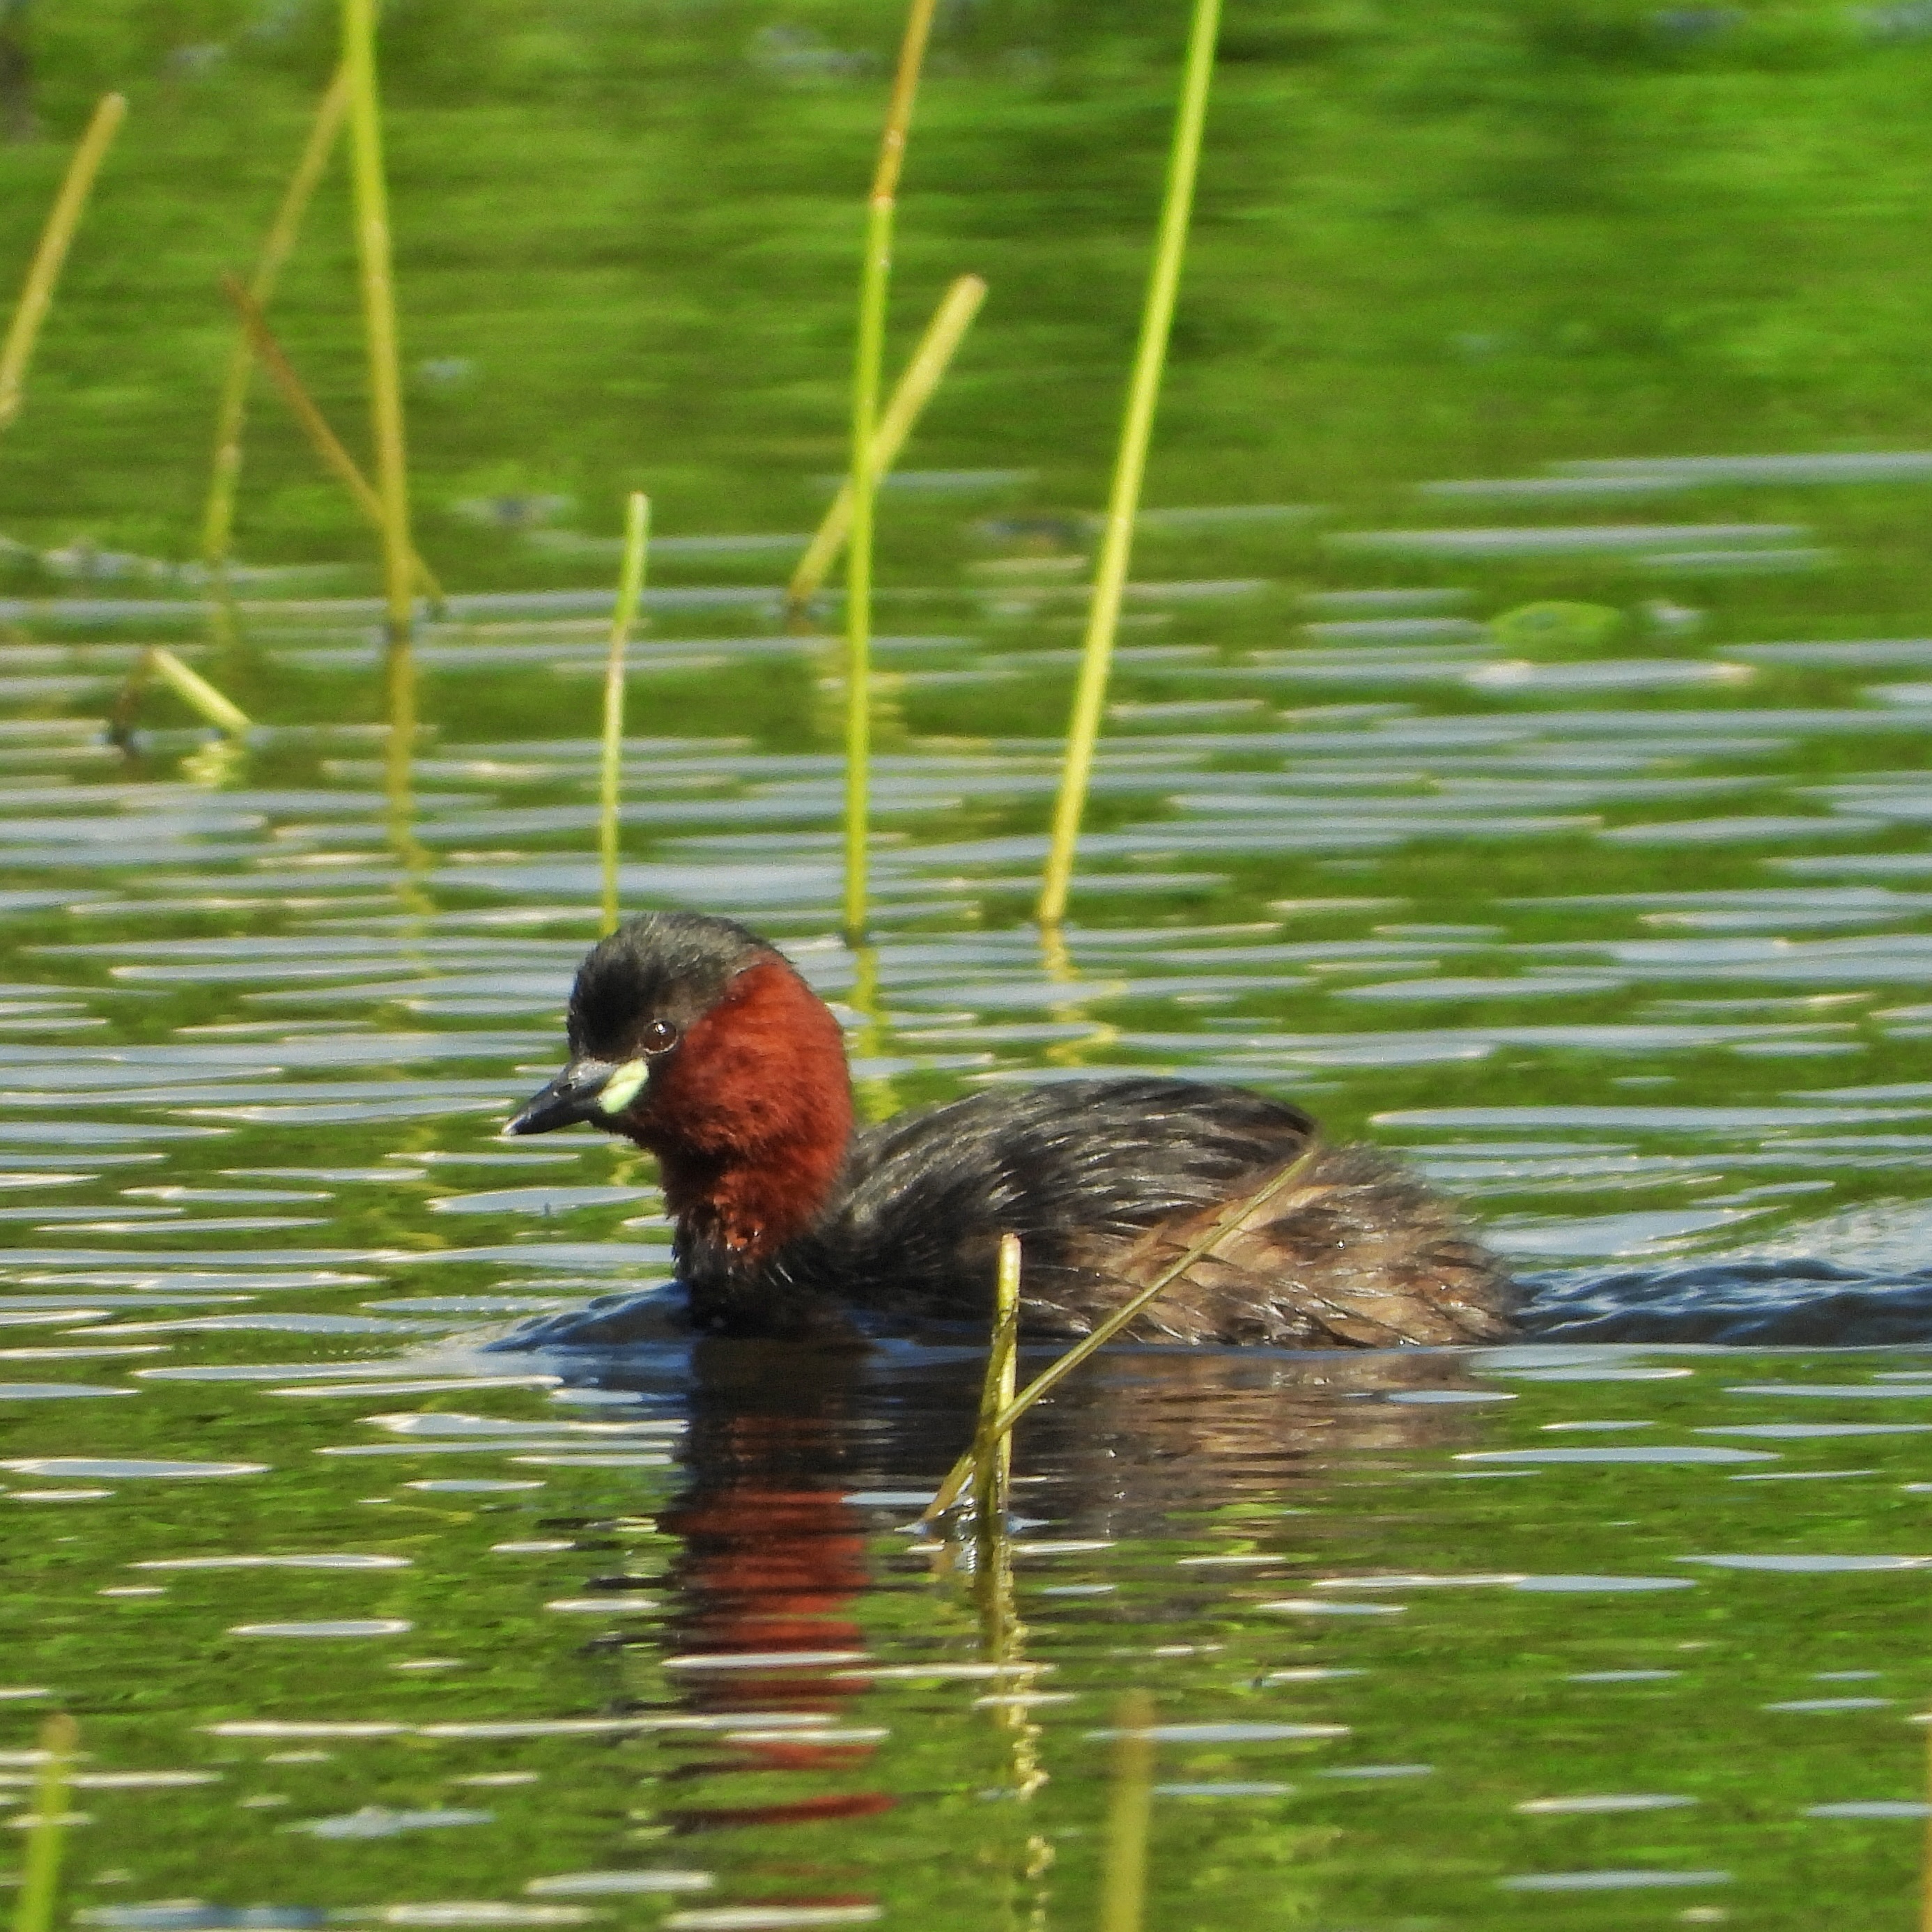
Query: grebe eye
point(659, 1035)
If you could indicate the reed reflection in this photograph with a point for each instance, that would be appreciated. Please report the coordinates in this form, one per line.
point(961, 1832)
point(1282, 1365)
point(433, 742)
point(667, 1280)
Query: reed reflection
point(399, 784)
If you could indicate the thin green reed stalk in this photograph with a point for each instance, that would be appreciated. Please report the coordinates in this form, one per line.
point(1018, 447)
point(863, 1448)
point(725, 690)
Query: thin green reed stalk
point(630, 590)
point(37, 295)
point(379, 310)
point(1129, 1816)
point(864, 483)
point(921, 377)
point(40, 1879)
point(218, 522)
point(1110, 576)
point(1925, 1874)
point(992, 1446)
point(1234, 1216)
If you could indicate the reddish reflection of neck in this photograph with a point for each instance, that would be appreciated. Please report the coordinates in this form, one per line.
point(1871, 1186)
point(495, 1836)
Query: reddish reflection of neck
point(770, 1566)
point(751, 1117)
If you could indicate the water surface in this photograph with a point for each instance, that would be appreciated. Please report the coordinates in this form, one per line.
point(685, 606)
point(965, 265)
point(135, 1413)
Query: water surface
point(1516, 754)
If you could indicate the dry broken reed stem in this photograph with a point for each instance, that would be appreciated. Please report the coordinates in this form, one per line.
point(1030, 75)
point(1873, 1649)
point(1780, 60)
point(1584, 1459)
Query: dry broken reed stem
point(1110, 576)
point(922, 376)
point(1050, 1377)
point(336, 459)
point(217, 523)
point(201, 697)
point(378, 310)
point(196, 691)
point(1130, 1815)
point(630, 591)
point(863, 483)
point(36, 294)
point(40, 1876)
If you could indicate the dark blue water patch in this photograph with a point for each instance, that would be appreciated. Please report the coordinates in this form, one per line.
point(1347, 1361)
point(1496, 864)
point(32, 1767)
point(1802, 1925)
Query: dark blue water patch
point(1803, 1302)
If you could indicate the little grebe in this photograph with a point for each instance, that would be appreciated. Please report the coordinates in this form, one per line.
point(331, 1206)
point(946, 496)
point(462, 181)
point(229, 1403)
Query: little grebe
point(698, 1039)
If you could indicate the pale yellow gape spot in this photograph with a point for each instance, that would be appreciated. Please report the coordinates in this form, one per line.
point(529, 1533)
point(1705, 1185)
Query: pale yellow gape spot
point(621, 1089)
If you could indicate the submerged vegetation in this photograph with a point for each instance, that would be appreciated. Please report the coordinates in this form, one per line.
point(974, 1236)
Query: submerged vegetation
point(1431, 240)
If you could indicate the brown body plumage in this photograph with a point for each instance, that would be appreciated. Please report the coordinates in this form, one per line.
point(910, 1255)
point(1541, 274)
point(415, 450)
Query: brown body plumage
point(698, 1040)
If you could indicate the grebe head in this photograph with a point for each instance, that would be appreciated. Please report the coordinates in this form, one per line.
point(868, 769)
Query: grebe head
point(698, 1040)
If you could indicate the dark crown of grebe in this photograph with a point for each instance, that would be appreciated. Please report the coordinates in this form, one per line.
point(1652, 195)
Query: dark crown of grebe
point(699, 1041)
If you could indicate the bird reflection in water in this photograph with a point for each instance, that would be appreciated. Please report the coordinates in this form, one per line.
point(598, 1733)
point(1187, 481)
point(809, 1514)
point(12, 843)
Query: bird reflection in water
point(772, 1567)
point(780, 1542)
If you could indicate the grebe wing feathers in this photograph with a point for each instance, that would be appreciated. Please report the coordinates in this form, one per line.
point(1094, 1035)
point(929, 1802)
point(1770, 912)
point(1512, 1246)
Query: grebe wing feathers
point(1108, 1182)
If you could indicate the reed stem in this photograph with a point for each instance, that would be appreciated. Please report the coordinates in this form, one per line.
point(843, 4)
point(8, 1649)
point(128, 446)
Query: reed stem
point(158, 662)
point(40, 1878)
point(869, 356)
point(1925, 1872)
point(36, 294)
point(993, 1446)
point(862, 490)
point(196, 691)
point(921, 376)
point(218, 522)
point(1050, 1377)
point(1129, 1816)
point(630, 590)
point(1110, 575)
point(378, 310)
point(335, 457)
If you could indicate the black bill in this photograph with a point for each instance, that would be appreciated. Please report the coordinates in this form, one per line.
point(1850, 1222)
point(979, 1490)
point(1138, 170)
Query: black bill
point(576, 1094)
